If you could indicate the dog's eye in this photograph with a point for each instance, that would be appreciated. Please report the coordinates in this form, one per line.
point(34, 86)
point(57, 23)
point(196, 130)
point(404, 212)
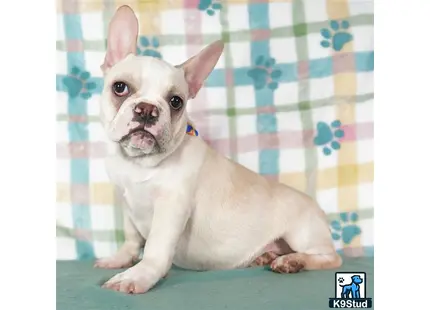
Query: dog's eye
point(176, 102)
point(120, 89)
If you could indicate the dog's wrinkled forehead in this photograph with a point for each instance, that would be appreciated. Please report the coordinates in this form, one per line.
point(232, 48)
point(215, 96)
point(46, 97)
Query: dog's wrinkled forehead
point(148, 76)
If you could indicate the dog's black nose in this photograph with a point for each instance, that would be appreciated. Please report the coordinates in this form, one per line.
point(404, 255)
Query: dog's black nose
point(146, 112)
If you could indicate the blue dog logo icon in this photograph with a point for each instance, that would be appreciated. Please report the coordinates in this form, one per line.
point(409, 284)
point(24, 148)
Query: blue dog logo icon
point(351, 290)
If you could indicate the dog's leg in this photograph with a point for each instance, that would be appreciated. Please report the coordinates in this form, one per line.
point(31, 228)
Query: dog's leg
point(346, 294)
point(272, 251)
point(295, 262)
point(129, 252)
point(159, 248)
point(357, 292)
point(313, 246)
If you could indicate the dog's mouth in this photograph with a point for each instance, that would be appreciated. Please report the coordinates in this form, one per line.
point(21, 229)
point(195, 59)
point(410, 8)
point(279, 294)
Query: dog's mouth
point(139, 131)
point(139, 139)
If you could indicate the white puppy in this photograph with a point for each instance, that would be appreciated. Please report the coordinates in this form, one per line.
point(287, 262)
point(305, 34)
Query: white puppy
point(186, 203)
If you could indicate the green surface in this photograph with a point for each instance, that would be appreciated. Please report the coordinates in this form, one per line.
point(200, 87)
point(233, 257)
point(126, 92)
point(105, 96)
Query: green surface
point(78, 288)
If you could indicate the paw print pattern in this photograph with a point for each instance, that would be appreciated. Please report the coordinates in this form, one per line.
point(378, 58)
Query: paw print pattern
point(341, 280)
point(263, 73)
point(346, 227)
point(209, 6)
point(328, 136)
point(148, 47)
point(77, 84)
point(337, 36)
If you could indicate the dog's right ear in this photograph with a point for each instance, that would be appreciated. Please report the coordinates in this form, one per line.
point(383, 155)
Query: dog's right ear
point(122, 36)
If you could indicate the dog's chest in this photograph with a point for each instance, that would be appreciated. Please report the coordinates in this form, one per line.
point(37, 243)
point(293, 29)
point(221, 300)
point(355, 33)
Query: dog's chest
point(140, 206)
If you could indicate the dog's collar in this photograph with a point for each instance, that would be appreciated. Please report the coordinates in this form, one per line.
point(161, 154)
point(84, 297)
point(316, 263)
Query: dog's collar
point(191, 130)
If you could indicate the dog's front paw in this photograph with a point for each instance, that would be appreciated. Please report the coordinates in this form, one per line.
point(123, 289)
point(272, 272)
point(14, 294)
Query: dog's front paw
point(131, 281)
point(117, 261)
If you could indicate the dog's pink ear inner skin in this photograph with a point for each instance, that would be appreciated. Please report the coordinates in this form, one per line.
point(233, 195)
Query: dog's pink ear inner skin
point(198, 67)
point(122, 36)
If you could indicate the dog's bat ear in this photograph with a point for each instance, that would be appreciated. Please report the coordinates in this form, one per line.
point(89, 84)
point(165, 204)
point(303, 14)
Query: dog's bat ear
point(122, 36)
point(198, 67)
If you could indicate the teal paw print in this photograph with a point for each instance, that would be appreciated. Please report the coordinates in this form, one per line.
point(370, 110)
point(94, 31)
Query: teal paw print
point(147, 47)
point(263, 74)
point(338, 36)
point(77, 83)
point(345, 228)
point(328, 136)
point(210, 6)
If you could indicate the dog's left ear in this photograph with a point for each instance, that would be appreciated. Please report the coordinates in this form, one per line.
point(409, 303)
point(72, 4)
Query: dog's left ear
point(198, 67)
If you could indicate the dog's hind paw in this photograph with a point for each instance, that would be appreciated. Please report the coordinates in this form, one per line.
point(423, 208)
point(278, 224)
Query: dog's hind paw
point(264, 259)
point(286, 264)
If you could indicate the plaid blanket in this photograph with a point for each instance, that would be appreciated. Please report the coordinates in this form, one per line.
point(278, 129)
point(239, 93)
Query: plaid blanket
point(291, 98)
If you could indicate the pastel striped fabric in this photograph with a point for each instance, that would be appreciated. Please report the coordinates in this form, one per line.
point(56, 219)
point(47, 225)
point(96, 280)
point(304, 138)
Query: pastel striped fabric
point(291, 98)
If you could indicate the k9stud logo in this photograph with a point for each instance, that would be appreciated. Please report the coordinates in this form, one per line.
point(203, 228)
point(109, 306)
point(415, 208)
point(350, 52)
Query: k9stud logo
point(350, 290)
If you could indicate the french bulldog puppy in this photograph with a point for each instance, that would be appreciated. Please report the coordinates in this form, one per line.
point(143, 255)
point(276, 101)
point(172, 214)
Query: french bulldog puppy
point(187, 204)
